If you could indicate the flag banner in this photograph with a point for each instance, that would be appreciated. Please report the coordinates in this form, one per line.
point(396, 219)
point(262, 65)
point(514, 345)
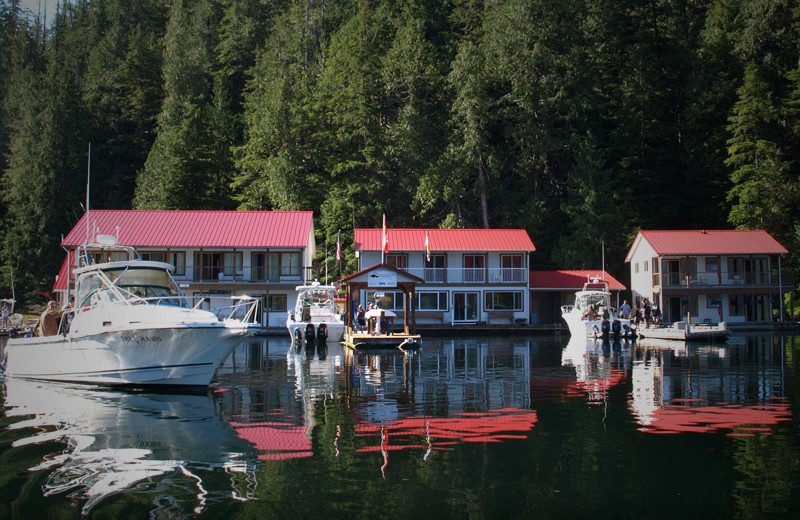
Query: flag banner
point(339, 246)
point(427, 247)
point(385, 236)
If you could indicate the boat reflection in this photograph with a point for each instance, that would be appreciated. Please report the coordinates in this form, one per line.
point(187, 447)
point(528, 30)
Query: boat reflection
point(680, 389)
point(599, 366)
point(130, 442)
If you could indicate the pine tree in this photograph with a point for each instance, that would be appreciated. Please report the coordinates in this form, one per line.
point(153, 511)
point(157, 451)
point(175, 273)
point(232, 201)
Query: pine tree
point(188, 166)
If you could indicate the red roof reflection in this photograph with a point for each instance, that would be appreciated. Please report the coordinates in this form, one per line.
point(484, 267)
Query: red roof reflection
point(490, 426)
point(284, 440)
point(745, 421)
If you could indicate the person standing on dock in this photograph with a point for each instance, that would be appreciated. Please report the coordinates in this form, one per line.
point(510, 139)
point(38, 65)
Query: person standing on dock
point(625, 309)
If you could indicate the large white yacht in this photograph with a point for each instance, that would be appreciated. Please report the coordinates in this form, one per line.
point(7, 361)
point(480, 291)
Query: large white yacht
point(131, 325)
point(592, 314)
point(315, 317)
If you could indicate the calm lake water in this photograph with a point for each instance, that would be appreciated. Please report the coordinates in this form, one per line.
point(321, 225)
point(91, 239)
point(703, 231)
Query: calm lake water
point(513, 427)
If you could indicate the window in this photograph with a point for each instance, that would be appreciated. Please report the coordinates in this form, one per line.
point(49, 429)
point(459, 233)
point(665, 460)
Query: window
point(712, 265)
point(713, 302)
point(398, 261)
point(504, 301)
point(434, 269)
point(689, 305)
point(276, 302)
point(656, 274)
point(736, 305)
point(178, 259)
point(636, 267)
point(474, 268)
point(512, 268)
point(153, 256)
point(232, 264)
point(274, 267)
point(207, 266)
point(735, 268)
point(258, 266)
point(689, 270)
point(389, 300)
point(290, 265)
point(432, 301)
point(646, 266)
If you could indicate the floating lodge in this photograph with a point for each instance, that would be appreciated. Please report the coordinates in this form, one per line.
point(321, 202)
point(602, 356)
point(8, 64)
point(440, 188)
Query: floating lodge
point(448, 279)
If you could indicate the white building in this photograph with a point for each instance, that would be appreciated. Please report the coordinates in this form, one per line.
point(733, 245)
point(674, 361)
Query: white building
point(709, 275)
point(470, 276)
point(263, 254)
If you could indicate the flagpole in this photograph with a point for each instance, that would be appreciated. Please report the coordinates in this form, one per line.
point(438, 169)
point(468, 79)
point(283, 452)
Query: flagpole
point(326, 258)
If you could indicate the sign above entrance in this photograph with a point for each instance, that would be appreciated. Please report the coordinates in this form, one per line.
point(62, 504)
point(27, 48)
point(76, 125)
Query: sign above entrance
point(382, 279)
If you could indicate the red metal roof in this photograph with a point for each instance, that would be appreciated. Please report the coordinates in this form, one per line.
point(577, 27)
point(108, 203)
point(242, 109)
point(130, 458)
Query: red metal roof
point(402, 239)
point(61, 279)
point(571, 280)
point(709, 242)
point(213, 229)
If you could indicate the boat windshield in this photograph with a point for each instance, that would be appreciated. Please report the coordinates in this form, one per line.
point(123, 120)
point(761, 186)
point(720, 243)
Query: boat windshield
point(150, 283)
point(596, 300)
point(316, 298)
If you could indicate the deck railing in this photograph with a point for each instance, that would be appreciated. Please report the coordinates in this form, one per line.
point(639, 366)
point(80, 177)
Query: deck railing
point(702, 279)
point(471, 275)
point(207, 273)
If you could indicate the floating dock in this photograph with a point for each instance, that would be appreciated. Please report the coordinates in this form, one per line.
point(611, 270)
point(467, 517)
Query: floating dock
point(681, 331)
point(364, 340)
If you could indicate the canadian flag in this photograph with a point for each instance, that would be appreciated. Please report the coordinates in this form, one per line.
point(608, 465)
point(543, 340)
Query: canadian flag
point(385, 236)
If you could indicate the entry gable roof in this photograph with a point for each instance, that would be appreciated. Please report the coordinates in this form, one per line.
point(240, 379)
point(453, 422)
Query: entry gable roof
point(708, 242)
point(570, 280)
point(405, 239)
point(194, 228)
point(362, 276)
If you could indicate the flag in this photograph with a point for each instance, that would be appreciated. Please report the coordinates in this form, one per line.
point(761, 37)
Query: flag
point(427, 247)
point(385, 236)
point(339, 246)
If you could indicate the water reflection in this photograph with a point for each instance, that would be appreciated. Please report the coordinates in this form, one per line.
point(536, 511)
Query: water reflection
point(130, 442)
point(685, 387)
point(454, 391)
point(599, 365)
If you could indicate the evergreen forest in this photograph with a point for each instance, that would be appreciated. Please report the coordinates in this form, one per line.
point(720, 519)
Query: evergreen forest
point(581, 121)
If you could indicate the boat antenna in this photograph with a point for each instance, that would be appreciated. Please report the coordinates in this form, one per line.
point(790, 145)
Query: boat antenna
point(602, 258)
point(88, 178)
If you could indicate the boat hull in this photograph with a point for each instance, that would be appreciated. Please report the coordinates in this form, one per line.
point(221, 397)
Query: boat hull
point(581, 328)
point(335, 330)
point(168, 356)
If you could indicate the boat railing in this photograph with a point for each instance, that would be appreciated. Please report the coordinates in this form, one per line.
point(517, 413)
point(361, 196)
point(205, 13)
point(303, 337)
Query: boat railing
point(240, 308)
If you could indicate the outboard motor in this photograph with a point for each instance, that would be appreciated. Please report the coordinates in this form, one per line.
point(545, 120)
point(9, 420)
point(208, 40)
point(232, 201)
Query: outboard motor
point(616, 328)
point(605, 327)
point(322, 333)
point(310, 334)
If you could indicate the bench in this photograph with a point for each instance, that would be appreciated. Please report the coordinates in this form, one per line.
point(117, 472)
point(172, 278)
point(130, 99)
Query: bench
point(430, 316)
point(501, 316)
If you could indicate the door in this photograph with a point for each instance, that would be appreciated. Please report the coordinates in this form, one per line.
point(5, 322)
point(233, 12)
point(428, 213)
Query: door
point(465, 306)
point(674, 313)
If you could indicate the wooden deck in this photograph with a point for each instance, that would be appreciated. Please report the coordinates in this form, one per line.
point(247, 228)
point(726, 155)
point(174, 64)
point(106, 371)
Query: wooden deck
point(363, 340)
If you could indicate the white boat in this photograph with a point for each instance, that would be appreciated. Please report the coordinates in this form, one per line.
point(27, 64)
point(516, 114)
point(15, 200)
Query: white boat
point(315, 316)
point(592, 315)
point(131, 325)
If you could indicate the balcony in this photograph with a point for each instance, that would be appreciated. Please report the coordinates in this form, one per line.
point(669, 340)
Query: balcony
point(468, 275)
point(209, 273)
point(713, 279)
